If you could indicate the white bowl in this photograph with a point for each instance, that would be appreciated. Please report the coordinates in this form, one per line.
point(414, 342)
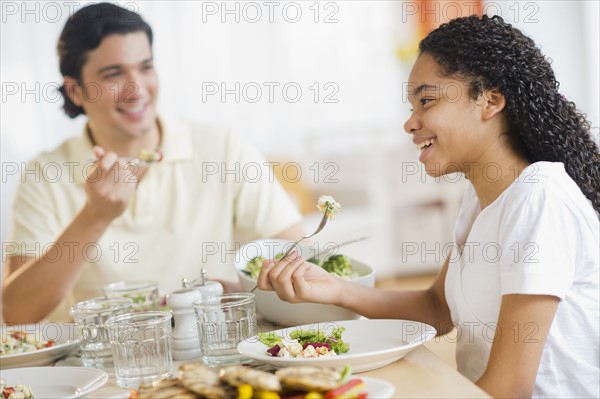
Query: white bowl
point(273, 309)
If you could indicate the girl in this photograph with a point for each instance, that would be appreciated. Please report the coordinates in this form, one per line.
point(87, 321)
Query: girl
point(521, 283)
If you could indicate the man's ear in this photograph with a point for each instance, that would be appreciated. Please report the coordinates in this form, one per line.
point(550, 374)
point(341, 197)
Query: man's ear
point(494, 103)
point(73, 90)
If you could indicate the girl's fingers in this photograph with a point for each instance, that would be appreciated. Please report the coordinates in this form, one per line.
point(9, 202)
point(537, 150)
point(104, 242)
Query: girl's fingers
point(283, 283)
point(262, 282)
point(301, 286)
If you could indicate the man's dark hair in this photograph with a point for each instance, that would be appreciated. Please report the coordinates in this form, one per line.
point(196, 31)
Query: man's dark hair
point(84, 31)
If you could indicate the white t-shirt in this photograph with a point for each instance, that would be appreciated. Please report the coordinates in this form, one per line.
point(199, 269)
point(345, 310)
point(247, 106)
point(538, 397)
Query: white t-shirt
point(539, 237)
point(185, 215)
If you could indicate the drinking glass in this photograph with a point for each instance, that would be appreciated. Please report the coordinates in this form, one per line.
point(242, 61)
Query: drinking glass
point(91, 316)
point(142, 349)
point(223, 322)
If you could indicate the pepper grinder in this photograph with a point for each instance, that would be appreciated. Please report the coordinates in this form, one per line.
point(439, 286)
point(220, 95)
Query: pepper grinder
point(206, 287)
point(186, 344)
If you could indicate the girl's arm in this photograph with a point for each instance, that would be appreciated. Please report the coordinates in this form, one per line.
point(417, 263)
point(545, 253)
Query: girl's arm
point(295, 280)
point(523, 326)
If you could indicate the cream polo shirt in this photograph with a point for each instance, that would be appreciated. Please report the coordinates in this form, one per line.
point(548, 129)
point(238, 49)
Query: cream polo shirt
point(186, 213)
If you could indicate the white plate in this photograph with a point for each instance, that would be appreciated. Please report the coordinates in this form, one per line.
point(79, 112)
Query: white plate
point(65, 335)
point(57, 382)
point(373, 344)
point(376, 388)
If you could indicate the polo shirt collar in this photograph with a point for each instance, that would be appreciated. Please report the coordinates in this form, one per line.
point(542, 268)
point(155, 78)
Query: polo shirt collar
point(176, 145)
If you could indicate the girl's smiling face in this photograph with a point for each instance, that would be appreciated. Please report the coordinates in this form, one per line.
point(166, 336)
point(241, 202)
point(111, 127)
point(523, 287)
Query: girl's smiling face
point(452, 131)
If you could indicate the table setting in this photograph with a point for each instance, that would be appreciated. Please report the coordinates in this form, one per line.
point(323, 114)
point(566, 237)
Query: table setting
point(206, 343)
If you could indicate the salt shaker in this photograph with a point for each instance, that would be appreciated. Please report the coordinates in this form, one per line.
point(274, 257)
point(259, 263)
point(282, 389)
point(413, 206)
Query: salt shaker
point(186, 344)
point(206, 287)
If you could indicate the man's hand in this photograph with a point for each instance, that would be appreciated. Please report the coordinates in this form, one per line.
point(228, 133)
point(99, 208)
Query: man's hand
point(109, 187)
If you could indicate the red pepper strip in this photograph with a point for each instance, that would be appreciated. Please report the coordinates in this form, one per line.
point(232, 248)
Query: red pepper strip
point(362, 396)
point(339, 391)
point(7, 391)
point(49, 343)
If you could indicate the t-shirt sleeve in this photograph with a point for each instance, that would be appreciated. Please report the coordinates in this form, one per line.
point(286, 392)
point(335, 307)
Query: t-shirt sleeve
point(262, 207)
point(539, 246)
point(34, 221)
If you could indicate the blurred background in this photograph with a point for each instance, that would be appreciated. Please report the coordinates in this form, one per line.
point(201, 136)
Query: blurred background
point(316, 85)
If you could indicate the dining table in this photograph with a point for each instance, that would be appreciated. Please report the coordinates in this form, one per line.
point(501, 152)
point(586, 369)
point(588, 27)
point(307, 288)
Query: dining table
point(419, 374)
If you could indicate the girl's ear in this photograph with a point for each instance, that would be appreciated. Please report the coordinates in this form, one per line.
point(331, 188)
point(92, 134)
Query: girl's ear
point(494, 103)
point(73, 90)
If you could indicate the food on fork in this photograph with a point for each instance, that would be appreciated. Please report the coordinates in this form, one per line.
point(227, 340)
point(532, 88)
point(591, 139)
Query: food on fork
point(243, 382)
point(21, 341)
point(150, 156)
point(145, 156)
point(329, 205)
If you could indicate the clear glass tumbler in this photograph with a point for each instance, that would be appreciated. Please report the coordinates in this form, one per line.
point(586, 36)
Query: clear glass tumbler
point(223, 322)
point(142, 348)
point(91, 316)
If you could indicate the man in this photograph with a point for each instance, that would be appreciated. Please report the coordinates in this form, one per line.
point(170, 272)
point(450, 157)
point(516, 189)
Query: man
point(120, 218)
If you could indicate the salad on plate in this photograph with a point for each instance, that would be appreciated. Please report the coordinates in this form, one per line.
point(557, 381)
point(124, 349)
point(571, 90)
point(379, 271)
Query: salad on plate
point(20, 341)
point(305, 343)
point(18, 391)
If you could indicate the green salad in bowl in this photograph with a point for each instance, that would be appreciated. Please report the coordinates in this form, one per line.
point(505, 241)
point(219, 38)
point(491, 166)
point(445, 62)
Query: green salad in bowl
point(340, 265)
point(249, 261)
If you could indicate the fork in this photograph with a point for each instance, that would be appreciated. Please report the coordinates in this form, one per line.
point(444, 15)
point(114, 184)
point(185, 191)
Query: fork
point(321, 225)
point(129, 161)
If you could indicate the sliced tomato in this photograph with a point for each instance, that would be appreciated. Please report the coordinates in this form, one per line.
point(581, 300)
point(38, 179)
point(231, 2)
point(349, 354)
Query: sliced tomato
point(340, 391)
point(7, 391)
point(19, 335)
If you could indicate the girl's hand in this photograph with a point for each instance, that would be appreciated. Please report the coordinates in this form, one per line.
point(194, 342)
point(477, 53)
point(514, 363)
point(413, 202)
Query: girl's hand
point(295, 280)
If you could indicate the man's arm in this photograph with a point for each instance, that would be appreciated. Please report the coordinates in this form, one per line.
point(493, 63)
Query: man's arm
point(33, 287)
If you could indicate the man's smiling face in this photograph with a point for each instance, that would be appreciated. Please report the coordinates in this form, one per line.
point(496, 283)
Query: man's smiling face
point(119, 86)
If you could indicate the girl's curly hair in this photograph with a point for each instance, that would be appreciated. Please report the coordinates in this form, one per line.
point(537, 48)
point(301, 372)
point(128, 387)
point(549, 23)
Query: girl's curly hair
point(489, 53)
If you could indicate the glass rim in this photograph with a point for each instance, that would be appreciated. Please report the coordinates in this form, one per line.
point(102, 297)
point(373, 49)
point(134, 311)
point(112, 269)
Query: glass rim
point(145, 318)
point(243, 298)
point(133, 285)
point(119, 303)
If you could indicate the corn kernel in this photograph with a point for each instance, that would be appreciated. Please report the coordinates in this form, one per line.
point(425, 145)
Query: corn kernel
point(245, 391)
